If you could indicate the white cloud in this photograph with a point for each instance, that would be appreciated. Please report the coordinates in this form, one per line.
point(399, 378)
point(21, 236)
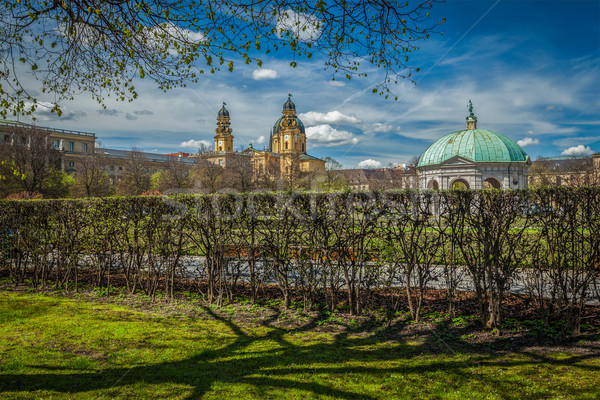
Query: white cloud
point(194, 144)
point(143, 112)
point(580, 150)
point(369, 164)
point(180, 33)
point(260, 140)
point(264, 73)
point(304, 27)
point(332, 117)
point(160, 37)
point(337, 83)
point(43, 112)
point(574, 141)
point(527, 141)
point(379, 127)
point(325, 135)
point(109, 112)
point(81, 33)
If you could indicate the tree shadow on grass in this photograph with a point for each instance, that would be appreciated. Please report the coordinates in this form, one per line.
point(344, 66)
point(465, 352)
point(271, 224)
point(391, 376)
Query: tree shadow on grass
point(253, 360)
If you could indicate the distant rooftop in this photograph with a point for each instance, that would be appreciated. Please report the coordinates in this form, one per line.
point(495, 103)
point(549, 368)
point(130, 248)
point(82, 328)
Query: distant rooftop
point(45, 129)
point(566, 163)
point(161, 158)
point(563, 157)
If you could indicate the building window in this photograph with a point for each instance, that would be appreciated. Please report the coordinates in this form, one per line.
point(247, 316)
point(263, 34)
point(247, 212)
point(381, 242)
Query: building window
point(71, 145)
point(71, 164)
point(120, 168)
point(112, 168)
point(220, 162)
point(558, 181)
point(302, 147)
point(6, 138)
point(286, 145)
point(85, 147)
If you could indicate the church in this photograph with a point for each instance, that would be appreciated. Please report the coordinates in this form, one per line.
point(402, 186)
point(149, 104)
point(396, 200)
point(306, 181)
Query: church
point(286, 154)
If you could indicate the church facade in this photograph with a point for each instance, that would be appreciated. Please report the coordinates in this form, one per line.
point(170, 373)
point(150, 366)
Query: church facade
point(285, 156)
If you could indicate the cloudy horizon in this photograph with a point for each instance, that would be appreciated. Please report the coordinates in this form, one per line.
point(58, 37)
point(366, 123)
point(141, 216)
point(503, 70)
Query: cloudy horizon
point(534, 80)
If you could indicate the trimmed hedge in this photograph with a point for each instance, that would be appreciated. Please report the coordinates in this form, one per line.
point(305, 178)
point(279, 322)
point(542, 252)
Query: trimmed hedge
point(319, 243)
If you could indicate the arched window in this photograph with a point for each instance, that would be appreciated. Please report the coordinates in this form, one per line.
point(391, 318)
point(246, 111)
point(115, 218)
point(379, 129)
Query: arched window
point(491, 183)
point(433, 185)
point(303, 147)
point(459, 184)
point(286, 145)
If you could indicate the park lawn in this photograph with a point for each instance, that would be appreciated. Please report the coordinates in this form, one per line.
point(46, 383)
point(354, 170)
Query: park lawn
point(57, 347)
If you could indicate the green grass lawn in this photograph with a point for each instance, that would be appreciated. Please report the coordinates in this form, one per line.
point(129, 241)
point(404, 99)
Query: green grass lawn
point(55, 347)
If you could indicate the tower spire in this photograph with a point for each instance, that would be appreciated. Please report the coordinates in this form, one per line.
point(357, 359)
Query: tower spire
point(223, 137)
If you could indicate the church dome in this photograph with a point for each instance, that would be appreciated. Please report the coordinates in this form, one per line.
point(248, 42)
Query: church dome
point(277, 126)
point(477, 145)
point(289, 104)
point(223, 112)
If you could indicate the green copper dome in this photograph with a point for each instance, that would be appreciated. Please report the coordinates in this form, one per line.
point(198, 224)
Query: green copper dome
point(478, 145)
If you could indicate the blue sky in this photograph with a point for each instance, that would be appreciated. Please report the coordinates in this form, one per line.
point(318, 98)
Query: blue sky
point(531, 68)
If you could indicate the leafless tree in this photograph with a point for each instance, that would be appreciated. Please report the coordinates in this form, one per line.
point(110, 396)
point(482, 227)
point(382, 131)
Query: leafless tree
point(175, 175)
point(91, 180)
point(331, 178)
point(413, 161)
point(208, 176)
point(136, 176)
point(292, 175)
point(269, 177)
point(239, 173)
point(203, 148)
point(418, 240)
point(30, 162)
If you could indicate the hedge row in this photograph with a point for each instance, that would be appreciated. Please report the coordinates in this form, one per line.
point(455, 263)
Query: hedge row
point(321, 243)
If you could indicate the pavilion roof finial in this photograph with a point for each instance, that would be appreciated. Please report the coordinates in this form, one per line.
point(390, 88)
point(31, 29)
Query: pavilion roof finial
point(471, 118)
point(470, 107)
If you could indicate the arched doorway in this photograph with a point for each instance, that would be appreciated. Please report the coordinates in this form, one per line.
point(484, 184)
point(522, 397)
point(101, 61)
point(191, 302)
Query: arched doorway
point(492, 183)
point(433, 185)
point(459, 184)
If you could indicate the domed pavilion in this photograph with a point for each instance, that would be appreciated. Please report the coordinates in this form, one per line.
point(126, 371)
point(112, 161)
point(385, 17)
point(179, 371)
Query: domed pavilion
point(473, 159)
